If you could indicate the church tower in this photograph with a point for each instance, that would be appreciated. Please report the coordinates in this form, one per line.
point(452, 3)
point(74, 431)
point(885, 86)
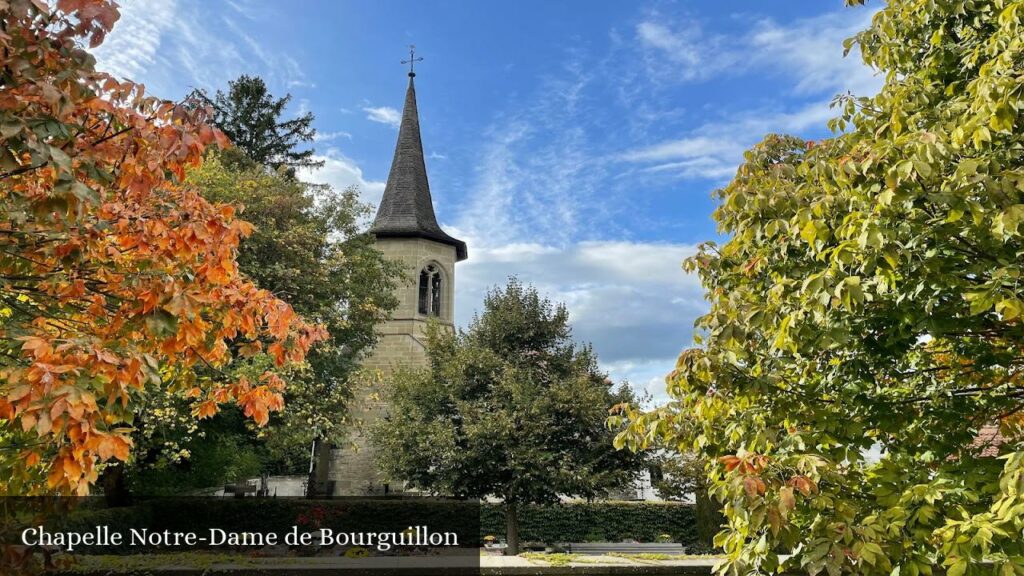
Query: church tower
point(406, 231)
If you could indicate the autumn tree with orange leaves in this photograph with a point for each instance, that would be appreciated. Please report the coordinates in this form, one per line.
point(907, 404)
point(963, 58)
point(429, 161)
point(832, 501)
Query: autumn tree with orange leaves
point(116, 278)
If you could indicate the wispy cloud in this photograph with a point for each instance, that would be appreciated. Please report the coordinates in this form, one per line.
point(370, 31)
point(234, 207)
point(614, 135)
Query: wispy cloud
point(807, 50)
point(807, 53)
point(133, 47)
point(383, 115)
point(538, 169)
point(714, 150)
point(175, 43)
point(331, 136)
point(683, 52)
point(810, 52)
point(341, 172)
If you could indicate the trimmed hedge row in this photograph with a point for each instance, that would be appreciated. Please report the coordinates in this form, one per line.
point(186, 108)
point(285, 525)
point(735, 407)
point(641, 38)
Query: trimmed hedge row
point(597, 522)
point(571, 522)
point(279, 515)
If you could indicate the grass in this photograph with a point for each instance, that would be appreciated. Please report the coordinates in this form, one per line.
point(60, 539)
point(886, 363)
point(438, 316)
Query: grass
point(141, 563)
point(655, 557)
point(146, 563)
point(556, 558)
point(562, 559)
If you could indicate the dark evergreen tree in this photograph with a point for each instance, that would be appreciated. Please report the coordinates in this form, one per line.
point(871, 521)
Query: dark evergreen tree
point(251, 117)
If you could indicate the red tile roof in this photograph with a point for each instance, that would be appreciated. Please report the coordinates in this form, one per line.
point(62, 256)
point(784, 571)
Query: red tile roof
point(988, 441)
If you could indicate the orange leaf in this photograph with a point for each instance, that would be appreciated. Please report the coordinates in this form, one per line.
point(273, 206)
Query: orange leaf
point(730, 462)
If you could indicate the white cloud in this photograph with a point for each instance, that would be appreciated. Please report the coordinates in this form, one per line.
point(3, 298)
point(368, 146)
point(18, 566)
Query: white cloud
point(714, 150)
point(341, 172)
point(132, 47)
point(699, 146)
point(631, 300)
point(811, 52)
point(384, 115)
point(175, 45)
point(331, 136)
point(808, 50)
point(683, 53)
point(538, 170)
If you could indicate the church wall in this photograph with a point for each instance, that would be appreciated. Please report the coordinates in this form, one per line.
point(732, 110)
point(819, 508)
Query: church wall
point(401, 344)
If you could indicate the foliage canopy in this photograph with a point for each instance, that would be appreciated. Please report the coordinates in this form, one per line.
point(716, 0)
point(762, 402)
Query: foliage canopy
point(869, 299)
point(309, 248)
point(116, 277)
point(251, 118)
point(511, 408)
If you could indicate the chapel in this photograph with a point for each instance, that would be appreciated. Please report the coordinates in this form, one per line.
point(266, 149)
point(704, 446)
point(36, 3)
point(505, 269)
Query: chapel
point(406, 230)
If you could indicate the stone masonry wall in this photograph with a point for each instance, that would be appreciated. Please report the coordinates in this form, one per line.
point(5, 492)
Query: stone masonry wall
point(350, 466)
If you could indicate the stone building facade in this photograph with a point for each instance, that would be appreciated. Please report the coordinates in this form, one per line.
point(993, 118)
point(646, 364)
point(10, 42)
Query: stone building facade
point(406, 230)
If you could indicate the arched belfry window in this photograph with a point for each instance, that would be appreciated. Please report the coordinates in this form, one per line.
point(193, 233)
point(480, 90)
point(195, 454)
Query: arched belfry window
point(430, 291)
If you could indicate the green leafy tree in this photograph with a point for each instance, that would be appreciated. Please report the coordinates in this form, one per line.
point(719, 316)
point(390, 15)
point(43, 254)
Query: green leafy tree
point(307, 247)
point(310, 249)
point(869, 302)
point(510, 408)
point(182, 457)
point(251, 118)
point(682, 477)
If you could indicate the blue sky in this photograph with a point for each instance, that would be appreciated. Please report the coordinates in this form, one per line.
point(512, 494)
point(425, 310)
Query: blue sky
point(573, 144)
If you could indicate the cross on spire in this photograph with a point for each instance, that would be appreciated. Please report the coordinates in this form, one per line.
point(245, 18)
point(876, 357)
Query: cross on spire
point(412, 60)
point(406, 209)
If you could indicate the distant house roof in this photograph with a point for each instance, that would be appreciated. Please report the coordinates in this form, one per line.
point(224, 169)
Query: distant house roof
point(406, 209)
point(988, 441)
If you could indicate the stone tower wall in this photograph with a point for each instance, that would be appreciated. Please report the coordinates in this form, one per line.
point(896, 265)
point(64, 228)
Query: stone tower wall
point(401, 344)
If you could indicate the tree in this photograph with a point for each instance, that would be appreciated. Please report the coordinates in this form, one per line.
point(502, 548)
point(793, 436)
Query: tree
point(309, 248)
point(251, 118)
point(868, 300)
point(681, 476)
point(117, 278)
point(510, 408)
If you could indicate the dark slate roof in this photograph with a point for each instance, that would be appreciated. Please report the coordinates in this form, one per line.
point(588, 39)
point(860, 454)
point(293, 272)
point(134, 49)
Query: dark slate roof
point(406, 210)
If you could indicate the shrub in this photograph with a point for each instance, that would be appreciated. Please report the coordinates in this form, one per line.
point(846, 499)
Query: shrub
point(550, 524)
point(598, 521)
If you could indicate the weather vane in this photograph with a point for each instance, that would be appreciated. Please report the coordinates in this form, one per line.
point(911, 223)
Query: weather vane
point(412, 60)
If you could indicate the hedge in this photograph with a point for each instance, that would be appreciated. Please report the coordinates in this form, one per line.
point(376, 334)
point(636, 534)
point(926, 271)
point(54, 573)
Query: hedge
point(570, 522)
point(597, 522)
point(265, 515)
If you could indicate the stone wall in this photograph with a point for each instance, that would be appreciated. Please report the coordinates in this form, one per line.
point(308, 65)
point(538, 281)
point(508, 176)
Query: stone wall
point(402, 344)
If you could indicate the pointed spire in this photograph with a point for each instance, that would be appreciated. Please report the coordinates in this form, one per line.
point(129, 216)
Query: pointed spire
point(406, 209)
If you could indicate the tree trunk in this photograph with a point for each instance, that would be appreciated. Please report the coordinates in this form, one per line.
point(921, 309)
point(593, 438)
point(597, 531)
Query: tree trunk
point(115, 489)
point(709, 517)
point(512, 528)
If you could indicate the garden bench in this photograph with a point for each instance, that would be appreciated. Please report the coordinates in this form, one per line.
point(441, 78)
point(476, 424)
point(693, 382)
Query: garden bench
point(240, 490)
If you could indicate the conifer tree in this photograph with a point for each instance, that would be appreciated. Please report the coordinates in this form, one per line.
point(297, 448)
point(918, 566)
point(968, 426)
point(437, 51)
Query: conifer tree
point(251, 118)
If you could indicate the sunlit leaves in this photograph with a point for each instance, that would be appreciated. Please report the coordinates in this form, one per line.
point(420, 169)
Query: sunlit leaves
point(869, 302)
point(115, 273)
point(511, 408)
